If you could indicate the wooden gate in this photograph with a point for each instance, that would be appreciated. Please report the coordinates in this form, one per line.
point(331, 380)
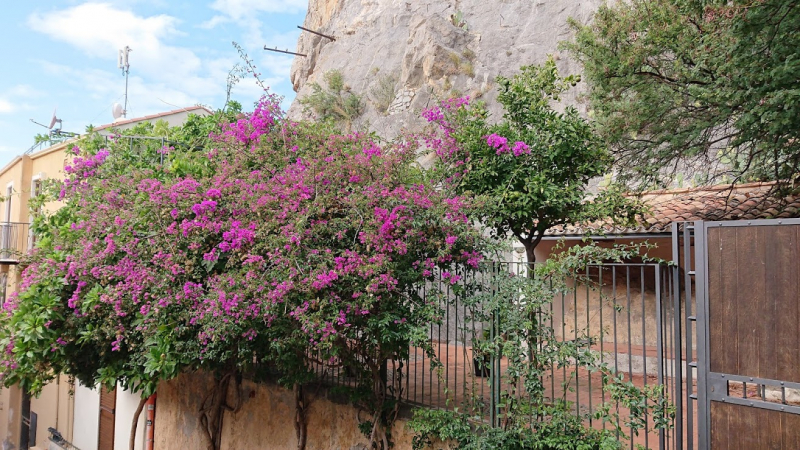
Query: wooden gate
point(108, 404)
point(749, 334)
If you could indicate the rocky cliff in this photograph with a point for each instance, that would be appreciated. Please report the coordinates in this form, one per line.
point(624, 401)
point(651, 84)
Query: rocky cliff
point(401, 55)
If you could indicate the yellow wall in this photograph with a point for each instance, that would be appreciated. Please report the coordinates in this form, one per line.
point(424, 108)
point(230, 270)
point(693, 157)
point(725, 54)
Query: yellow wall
point(264, 421)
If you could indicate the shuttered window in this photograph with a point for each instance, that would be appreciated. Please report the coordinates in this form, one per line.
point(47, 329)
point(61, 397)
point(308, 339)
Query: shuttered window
point(108, 404)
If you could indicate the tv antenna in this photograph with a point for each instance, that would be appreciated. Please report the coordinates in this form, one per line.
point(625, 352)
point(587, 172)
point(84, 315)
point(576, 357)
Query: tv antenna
point(125, 66)
point(54, 132)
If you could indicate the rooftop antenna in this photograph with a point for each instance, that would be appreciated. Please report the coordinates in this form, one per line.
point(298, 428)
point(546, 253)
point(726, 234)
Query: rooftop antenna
point(51, 127)
point(54, 130)
point(125, 66)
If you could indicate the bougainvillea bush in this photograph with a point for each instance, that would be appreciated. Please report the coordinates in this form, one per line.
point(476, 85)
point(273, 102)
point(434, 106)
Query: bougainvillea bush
point(279, 245)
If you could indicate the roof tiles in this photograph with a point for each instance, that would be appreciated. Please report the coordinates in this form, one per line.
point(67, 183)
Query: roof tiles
point(725, 202)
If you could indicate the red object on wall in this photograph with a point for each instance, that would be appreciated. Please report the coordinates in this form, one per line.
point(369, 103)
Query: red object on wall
point(150, 428)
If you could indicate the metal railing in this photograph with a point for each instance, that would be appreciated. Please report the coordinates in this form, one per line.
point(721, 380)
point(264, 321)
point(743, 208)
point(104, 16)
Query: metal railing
point(14, 238)
point(629, 318)
point(58, 440)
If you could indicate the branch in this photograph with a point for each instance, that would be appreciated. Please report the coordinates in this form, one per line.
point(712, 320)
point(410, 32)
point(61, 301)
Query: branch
point(135, 423)
point(668, 79)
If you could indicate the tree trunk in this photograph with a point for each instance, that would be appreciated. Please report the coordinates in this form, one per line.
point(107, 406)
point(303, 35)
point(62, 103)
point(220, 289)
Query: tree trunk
point(135, 424)
point(533, 333)
point(300, 427)
point(531, 256)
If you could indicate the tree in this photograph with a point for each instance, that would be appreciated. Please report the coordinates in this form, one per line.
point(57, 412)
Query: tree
point(698, 86)
point(533, 168)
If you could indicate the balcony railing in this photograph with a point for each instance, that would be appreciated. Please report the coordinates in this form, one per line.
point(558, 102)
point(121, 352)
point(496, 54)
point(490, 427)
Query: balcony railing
point(14, 238)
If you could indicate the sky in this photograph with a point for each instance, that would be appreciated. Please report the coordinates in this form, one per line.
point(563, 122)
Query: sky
point(62, 55)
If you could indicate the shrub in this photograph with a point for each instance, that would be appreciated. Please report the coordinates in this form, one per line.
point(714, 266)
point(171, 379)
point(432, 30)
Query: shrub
point(335, 101)
point(383, 92)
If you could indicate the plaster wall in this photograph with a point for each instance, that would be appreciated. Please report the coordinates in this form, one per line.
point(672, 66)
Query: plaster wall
point(265, 421)
point(13, 177)
point(127, 403)
point(87, 418)
point(4, 407)
point(53, 408)
point(10, 417)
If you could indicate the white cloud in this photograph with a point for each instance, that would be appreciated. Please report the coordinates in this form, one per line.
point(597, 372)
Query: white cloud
point(15, 98)
point(8, 153)
point(173, 74)
point(214, 21)
point(162, 73)
point(245, 14)
point(6, 106)
point(24, 91)
point(101, 29)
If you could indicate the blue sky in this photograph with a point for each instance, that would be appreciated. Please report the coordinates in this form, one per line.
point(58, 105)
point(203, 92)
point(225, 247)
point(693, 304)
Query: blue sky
point(64, 54)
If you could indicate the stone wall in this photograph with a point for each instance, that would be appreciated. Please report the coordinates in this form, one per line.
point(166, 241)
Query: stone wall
point(264, 422)
point(428, 51)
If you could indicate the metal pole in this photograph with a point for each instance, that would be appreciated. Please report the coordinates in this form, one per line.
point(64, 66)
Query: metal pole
point(284, 51)
point(688, 232)
point(701, 279)
point(660, 348)
point(125, 108)
point(678, 370)
point(317, 33)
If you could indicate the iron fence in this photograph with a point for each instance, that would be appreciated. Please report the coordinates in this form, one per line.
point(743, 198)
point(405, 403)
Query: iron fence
point(630, 315)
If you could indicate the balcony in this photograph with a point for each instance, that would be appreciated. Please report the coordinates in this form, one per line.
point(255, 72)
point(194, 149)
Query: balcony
point(14, 238)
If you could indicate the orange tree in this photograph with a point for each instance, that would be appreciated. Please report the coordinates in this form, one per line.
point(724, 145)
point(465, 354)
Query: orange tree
point(534, 166)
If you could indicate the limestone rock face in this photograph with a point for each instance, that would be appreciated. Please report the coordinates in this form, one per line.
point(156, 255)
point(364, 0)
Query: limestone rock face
point(428, 50)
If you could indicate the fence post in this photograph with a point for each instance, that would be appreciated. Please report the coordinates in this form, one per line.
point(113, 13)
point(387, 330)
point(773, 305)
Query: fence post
point(678, 334)
point(494, 372)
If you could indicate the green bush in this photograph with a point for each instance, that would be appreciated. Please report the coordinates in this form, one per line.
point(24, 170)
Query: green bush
point(335, 101)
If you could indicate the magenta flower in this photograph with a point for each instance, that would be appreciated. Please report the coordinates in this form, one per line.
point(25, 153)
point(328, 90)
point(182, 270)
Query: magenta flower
point(497, 142)
point(520, 148)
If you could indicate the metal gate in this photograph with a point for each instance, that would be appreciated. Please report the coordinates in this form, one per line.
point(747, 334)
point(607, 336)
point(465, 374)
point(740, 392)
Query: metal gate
point(748, 330)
